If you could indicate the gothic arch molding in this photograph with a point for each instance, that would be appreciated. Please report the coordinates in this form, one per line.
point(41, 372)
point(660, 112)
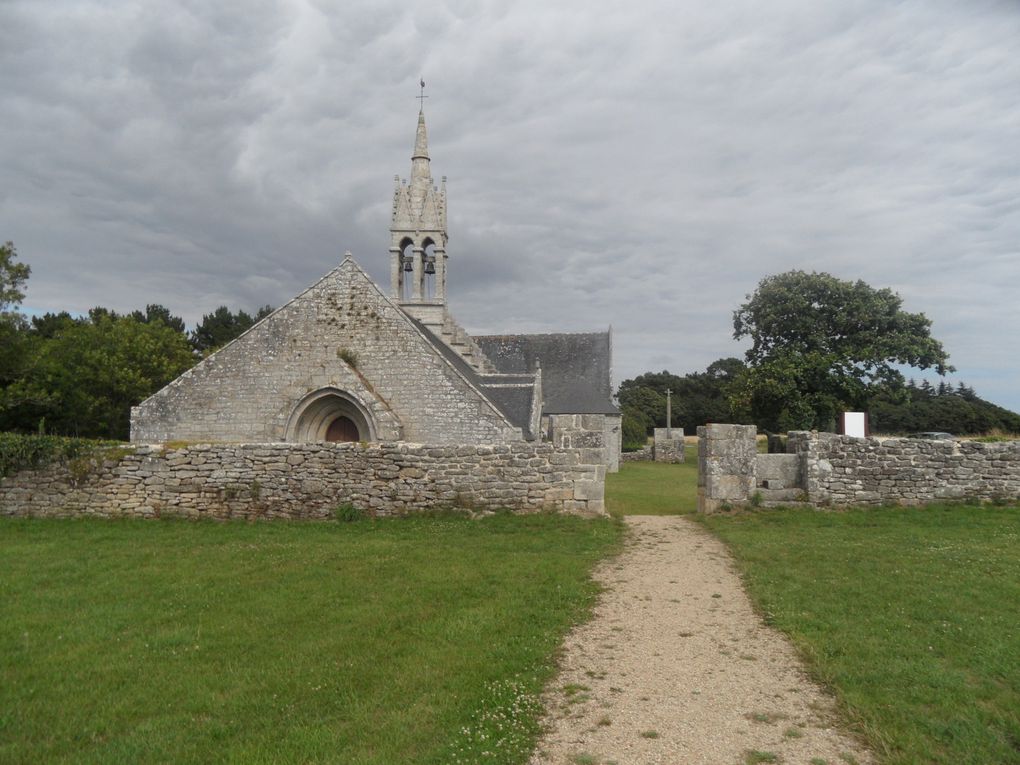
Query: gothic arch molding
point(313, 415)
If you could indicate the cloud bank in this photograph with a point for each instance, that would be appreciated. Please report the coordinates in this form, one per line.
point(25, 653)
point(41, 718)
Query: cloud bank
point(642, 165)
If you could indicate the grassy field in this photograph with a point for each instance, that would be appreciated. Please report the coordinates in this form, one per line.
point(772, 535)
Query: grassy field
point(423, 641)
point(911, 615)
point(654, 488)
point(428, 640)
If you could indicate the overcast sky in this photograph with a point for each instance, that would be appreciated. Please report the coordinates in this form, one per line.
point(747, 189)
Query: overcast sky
point(640, 164)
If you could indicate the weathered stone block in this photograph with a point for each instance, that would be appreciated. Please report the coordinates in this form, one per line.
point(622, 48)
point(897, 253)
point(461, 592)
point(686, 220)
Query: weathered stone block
point(668, 445)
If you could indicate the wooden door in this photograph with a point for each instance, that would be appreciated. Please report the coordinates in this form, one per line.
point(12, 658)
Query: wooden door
point(342, 429)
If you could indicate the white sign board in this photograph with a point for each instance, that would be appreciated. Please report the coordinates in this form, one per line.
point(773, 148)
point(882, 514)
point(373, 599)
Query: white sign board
point(853, 424)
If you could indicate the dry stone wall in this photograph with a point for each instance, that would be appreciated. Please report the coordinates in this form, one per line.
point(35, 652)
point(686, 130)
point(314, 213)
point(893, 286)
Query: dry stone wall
point(308, 481)
point(644, 454)
point(825, 469)
point(843, 470)
point(668, 445)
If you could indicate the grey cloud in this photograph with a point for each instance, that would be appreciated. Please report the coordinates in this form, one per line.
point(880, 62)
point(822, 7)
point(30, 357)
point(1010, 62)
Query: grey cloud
point(642, 166)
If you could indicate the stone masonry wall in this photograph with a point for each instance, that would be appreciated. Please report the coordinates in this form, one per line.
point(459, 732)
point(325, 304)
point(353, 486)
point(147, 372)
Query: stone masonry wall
point(613, 425)
point(308, 481)
point(248, 390)
point(644, 454)
point(778, 471)
point(726, 465)
point(584, 433)
point(603, 432)
point(843, 470)
point(836, 470)
point(668, 445)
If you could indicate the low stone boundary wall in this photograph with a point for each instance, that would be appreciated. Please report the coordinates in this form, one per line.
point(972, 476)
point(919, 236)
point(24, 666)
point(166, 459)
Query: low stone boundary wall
point(668, 444)
point(308, 481)
point(644, 454)
point(843, 470)
point(825, 469)
point(778, 471)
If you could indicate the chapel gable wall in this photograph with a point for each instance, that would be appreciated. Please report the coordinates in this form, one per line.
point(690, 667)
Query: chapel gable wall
point(341, 333)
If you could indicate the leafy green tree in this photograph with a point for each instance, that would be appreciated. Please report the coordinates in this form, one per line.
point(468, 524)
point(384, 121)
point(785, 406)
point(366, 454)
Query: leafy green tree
point(221, 326)
point(13, 345)
point(13, 351)
point(966, 393)
point(635, 429)
point(13, 276)
point(703, 397)
point(155, 312)
point(821, 345)
point(959, 411)
point(646, 394)
point(698, 397)
point(50, 324)
point(84, 379)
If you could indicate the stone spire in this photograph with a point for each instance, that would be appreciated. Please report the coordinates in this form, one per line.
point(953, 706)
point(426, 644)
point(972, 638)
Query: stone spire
point(418, 234)
point(421, 175)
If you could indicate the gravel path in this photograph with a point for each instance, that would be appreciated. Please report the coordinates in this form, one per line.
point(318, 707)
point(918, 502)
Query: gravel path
point(676, 667)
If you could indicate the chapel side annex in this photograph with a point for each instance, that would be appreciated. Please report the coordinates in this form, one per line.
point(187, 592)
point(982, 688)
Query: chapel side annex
point(343, 361)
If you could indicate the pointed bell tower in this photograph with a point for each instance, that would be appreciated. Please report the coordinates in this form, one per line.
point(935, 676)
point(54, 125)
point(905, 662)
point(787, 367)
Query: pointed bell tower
point(418, 236)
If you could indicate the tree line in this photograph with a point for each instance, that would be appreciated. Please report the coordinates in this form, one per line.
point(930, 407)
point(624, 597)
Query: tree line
point(699, 398)
point(820, 346)
point(80, 375)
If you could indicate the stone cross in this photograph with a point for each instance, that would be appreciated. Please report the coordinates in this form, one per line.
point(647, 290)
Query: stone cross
point(669, 413)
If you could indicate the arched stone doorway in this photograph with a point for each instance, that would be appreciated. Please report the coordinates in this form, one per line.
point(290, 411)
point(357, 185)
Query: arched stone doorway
point(330, 414)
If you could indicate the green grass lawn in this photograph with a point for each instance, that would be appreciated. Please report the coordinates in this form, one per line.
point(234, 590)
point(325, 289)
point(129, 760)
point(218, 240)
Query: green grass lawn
point(402, 641)
point(654, 488)
point(911, 615)
point(428, 640)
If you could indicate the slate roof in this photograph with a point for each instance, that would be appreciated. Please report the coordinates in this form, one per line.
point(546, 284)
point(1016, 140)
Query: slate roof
point(576, 368)
point(513, 399)
point(511, 395)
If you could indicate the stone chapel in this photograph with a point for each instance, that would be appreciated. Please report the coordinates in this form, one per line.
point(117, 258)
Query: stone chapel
point(343, 361)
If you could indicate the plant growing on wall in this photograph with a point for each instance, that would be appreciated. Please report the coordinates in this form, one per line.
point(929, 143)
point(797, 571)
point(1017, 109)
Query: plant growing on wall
point(347, 356)
point(23, 452)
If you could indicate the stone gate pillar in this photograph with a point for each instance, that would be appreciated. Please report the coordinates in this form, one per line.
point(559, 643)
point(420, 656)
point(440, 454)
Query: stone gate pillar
point(727, 460)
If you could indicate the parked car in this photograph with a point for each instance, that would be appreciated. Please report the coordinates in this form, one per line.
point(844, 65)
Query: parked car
point(934, 435)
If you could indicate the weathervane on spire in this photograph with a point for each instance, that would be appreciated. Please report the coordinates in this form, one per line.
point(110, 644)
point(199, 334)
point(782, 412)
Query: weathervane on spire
point(421, 97)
